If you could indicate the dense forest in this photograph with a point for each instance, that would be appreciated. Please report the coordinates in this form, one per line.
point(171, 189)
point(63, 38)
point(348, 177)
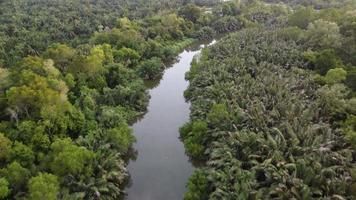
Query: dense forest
point(72, 82)
point(28, 27)
point(273, 108)
point(272, 104)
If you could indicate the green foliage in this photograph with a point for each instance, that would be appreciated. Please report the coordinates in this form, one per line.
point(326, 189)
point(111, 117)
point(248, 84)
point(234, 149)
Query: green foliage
point(193, 137)
point(349, 127)
point(150, 69)
point(323, 61)
point(90, 65)
point(205, 33)
point(127, 56)
point(172, 25)
point(264, 116)
point(351, 106)
point(348, 30)
point(16, 175)
point(190, 12)
point(4, 78)
point(43, 186)
point(4, 188)
point(333, 76)
point(61, 54)
point(302, 17)
point(228, 24)
point(218, 115)
point(292, 33)
point(134, 95)
point(336, 75)
point(68, 158)
point(263, 127)
point(74, 84)
point(36, 90)
point(351, 78)
point(197, 186)
point(323, 35)
point(29, 27)
point(117, 74)
point(121, 137)
point(114, 116)
point(5, 147)
point(351, 137)
point(22, 154)
point(332, 100)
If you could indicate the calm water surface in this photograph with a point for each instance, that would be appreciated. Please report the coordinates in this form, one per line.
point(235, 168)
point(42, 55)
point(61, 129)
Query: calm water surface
point(162, 169)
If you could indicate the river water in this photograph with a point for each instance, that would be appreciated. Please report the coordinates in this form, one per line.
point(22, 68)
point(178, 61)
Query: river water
point(161, 169)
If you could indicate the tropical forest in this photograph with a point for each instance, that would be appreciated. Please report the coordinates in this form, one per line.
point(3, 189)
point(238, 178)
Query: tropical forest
point(177, 99)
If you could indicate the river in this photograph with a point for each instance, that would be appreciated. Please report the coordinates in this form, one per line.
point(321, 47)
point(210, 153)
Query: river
point(161, 169)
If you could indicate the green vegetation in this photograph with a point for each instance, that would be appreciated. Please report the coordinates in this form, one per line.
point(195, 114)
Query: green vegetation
point(28, 27)
point(72, 81)
point(272, 113)
point(273, 105)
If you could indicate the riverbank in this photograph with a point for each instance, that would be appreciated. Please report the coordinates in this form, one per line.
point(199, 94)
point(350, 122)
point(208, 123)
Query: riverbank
point(162, 168)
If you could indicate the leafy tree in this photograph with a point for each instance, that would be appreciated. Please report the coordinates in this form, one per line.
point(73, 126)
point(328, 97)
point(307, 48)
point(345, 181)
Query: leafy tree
point(33, 91)
point(190, 12)
point(62, 119)
point(37, 65)
point(108, 53)
point(68, 158)
point(332, 100)
point(323, 35)
point(43, 186)
point(4, 79)
point(150, 69)
point(25, 131)
point(128, 56)
point(5, 147)
point(17, 176)
point(330, 14)
point(153, 48)
point(193, 137)
point(351, 137)
point(324, 60)
point(61, 54)
point(121, 137)
point(118, 74)
point(4, 188)
point(336, 75)
point(197, 186)
point(228, 24)
point(126, 24)
point(218, 114)
point(22, 154)
point(230, 8)
point(91, 65)
point(172, 24)
point(133, 95)
point(302, 17)
point(348, 30)
point(292, 33)
point(205, 33)
point(112, 117)
point(351, 79)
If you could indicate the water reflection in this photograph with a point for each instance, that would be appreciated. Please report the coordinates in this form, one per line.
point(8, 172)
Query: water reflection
point(161, 168)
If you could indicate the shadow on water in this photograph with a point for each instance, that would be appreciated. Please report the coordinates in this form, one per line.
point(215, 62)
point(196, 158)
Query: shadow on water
point(159, 168)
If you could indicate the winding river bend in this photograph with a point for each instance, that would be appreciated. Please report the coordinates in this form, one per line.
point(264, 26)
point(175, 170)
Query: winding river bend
point(162, 169)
